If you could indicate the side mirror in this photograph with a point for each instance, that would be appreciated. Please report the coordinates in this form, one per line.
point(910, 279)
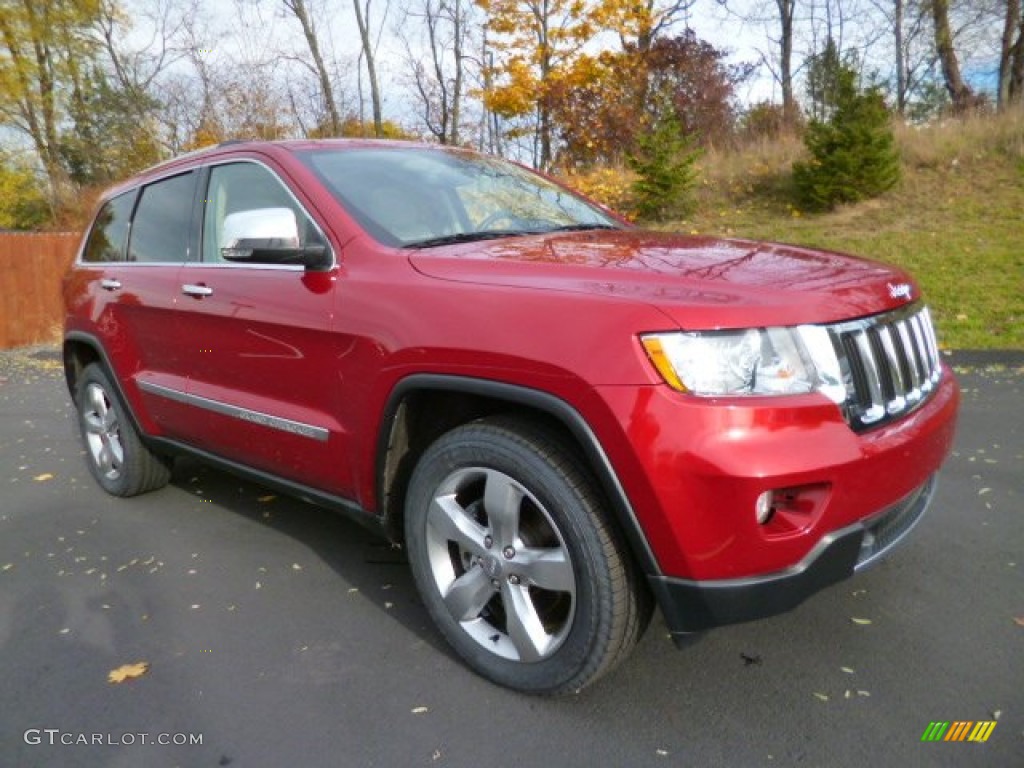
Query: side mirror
point(269, 235)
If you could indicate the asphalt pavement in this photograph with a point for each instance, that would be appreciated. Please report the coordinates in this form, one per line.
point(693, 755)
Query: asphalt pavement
point(272, 633)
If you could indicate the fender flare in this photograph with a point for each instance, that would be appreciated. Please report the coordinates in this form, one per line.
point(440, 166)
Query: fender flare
point(560, 410)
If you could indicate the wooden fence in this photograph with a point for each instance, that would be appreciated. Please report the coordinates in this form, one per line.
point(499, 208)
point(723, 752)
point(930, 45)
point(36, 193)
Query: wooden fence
point(31, 267)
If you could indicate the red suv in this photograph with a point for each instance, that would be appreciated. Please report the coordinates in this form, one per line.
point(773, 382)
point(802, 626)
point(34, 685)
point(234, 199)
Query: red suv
point(564, 419)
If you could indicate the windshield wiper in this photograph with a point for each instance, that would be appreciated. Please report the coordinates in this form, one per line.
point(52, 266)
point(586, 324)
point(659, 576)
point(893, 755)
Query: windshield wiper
point(581, 227)
point(494, 234)
point(466, 237)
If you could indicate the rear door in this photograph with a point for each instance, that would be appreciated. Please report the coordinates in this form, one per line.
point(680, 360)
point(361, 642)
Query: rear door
point(135, 291)
point(263, 365)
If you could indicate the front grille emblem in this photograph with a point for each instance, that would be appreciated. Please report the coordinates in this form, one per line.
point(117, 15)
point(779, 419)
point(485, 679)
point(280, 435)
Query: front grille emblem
point(900, 290)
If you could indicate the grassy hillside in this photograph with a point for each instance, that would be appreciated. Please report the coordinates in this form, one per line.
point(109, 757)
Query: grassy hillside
point(956, 220)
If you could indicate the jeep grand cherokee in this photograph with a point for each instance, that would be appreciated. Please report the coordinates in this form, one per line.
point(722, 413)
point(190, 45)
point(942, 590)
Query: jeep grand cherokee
point(564, 419)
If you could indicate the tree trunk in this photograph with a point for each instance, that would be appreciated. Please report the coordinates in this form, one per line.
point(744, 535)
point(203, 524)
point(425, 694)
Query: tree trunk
point(371, 68)
point(298, 7)
point(790, 110)
point(1011, 55)
point(901, 69)
point(431, 17)
point(543, 104)
point(460, 64)
point(959, 92)
point(1017, 70)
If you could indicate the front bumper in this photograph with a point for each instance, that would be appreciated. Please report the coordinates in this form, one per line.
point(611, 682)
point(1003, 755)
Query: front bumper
point(695, 471)
point(694, 606)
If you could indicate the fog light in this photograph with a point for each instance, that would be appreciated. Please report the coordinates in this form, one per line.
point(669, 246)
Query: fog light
point(763, 508)
point(792, 511)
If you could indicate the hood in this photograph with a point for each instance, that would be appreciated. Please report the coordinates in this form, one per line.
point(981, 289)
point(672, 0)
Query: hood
point(699, 282)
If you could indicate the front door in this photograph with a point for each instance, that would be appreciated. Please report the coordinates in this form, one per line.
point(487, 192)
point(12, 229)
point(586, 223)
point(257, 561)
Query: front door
point(263, 382)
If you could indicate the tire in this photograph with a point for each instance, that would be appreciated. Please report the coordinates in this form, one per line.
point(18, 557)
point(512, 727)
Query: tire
point(517, 560)
point(116, 456)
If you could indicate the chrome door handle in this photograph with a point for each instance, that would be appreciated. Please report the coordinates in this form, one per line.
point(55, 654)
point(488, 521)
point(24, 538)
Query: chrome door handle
point(196, 290)
point(108, 284)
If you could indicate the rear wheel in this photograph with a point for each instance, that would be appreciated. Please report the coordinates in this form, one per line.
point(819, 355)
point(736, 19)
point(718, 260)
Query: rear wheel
point(117, 458)
point(517, 560)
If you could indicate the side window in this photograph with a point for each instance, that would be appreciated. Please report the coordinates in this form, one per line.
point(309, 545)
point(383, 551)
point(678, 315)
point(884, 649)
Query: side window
point(238, 187)
point(160, 227)
point(110, 230)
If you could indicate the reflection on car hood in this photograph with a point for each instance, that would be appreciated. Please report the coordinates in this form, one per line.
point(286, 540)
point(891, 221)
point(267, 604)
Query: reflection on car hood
point(749, 283)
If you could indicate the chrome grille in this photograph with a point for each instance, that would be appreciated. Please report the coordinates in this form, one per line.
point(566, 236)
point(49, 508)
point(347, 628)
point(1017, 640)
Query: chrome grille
point(889, 363)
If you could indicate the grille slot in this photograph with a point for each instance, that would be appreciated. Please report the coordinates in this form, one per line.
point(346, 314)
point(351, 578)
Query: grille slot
point(890, 364)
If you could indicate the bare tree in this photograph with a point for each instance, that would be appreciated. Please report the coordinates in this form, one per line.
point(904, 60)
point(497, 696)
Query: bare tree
point(490, 121)
point(781, 16)
point(1011, 56)
point(907, 23)
point(960, 93)
point(906, 26)
point(299, 10)
point(229, 91)
point(369, 55)
point(438, 72)
point(787, 9)
point(137, 69)
point(851, 25)
point(898, 22)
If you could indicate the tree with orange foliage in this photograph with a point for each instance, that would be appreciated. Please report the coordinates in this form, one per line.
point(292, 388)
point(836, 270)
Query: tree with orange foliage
point(640, 22)
point(537, 43)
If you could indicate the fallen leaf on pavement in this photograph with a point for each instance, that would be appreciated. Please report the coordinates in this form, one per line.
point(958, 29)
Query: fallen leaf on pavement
point(860, 621)
point(43, 477)
point(128, 671)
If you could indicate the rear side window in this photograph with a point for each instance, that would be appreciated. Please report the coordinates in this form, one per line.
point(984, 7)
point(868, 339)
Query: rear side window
point(110, 230)
point(161, 227)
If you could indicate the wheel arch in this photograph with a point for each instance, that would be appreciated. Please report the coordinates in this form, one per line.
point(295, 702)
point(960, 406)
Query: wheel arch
point(422, 407)
point(81, 349)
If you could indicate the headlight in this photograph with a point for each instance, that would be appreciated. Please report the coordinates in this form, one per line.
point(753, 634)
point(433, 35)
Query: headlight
point(755, 361)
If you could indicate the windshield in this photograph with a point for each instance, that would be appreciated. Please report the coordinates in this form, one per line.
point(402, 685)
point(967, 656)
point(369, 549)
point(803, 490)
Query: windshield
point(421, 196)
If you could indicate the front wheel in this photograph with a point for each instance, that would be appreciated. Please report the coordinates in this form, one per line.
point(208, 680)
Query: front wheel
point(517, 560)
